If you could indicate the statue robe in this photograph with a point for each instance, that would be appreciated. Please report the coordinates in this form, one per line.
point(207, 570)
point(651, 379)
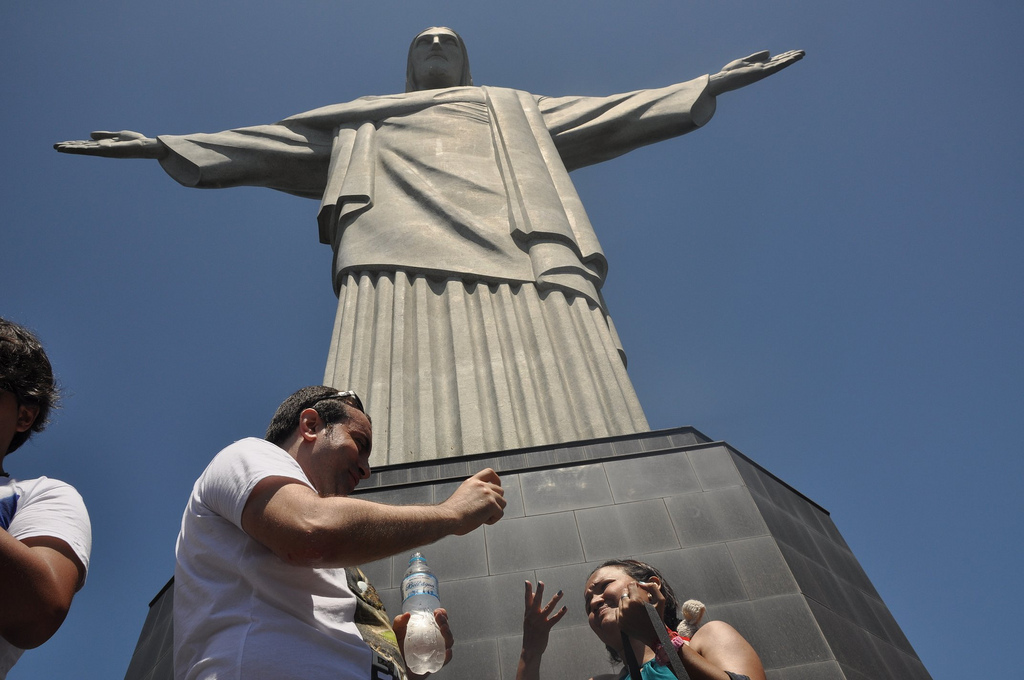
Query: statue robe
point(470, 317)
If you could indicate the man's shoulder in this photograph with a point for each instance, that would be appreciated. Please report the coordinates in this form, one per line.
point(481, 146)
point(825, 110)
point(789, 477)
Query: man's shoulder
point(240, 465)
point(38, 487)
point(44, 506)
point(251, 457)
point(249, 447)
point(224, 486)
point(253, 445)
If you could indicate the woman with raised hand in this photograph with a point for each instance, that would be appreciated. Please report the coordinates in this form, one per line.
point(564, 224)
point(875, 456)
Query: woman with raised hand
point(614, 597)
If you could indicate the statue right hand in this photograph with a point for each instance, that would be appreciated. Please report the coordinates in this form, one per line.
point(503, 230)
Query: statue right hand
point(123, 144)
point(478, 500)
point(742, 72)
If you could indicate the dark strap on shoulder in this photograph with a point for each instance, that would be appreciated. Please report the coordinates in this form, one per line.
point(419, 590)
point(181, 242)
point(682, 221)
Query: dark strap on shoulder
point(627, 653)
point(674, 663)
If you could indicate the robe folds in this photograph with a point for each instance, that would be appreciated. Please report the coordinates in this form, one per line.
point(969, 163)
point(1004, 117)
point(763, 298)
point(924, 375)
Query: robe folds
point(470, 316)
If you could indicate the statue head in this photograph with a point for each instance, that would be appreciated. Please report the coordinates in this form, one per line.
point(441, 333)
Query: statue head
point(437, 59)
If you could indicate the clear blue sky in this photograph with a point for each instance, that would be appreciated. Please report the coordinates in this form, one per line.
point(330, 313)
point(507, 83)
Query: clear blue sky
point(827, 276)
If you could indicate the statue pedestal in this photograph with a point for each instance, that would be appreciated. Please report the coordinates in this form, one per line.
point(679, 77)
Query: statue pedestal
point(721, 528)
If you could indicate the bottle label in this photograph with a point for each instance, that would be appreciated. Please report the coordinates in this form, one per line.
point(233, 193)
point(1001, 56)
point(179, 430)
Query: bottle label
point(419, 584)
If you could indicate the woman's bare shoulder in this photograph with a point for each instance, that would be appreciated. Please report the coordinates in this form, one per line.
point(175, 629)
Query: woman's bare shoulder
point(724, 646)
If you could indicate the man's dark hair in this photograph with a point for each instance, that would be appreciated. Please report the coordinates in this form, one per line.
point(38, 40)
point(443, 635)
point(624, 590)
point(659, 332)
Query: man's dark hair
point(641, 571)
point(326, 401)
point(25, 372)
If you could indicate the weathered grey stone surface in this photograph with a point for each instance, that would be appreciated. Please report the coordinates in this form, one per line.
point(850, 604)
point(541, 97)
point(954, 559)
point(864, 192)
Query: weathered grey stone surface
point(722, 529)
point(470, 315)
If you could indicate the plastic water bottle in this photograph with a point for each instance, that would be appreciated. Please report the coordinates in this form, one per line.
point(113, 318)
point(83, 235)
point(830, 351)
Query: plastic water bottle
point(424, 644)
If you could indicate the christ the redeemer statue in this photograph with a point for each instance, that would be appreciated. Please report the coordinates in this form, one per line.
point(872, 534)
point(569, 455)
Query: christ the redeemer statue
point(470, 315)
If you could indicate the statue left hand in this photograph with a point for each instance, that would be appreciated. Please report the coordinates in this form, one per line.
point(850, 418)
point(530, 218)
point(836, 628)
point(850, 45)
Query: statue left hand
point(123, 144)
point(743, 72)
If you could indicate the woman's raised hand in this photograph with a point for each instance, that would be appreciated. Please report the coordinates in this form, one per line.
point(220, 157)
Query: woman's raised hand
point(537, 624)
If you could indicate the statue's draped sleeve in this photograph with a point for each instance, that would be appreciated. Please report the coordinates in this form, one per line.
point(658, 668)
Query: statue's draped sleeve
point(288, 157)
point(581, 131)
point(589, 130)
point(330, 154)
point(293, 155)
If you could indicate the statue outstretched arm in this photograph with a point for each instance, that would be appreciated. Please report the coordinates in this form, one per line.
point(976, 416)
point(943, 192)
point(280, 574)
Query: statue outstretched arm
point(743, 72)
point(123, 144)
point(292, 159)
point(589, 130)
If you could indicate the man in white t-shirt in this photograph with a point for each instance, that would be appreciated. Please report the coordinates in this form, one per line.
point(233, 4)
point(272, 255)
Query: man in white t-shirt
point(266, 583)
point(46, 536)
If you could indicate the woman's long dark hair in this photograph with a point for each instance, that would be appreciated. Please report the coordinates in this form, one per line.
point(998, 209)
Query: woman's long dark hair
point(641, 571)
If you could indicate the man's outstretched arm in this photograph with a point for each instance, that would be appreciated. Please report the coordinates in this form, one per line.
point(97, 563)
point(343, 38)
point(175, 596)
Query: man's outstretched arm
point(123, 144)
point(305, 529)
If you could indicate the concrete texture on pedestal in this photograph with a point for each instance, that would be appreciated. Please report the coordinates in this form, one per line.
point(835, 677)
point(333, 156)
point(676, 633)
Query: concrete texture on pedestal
point(720, 527)
point(153, 658)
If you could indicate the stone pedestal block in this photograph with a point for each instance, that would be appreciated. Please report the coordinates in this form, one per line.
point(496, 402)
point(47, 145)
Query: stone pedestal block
point(722, 529)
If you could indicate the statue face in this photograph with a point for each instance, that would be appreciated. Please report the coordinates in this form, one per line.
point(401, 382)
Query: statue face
point(436, 59)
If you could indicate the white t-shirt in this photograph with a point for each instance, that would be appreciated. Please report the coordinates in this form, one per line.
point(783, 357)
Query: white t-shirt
point(241, 612)
point(42, 507)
